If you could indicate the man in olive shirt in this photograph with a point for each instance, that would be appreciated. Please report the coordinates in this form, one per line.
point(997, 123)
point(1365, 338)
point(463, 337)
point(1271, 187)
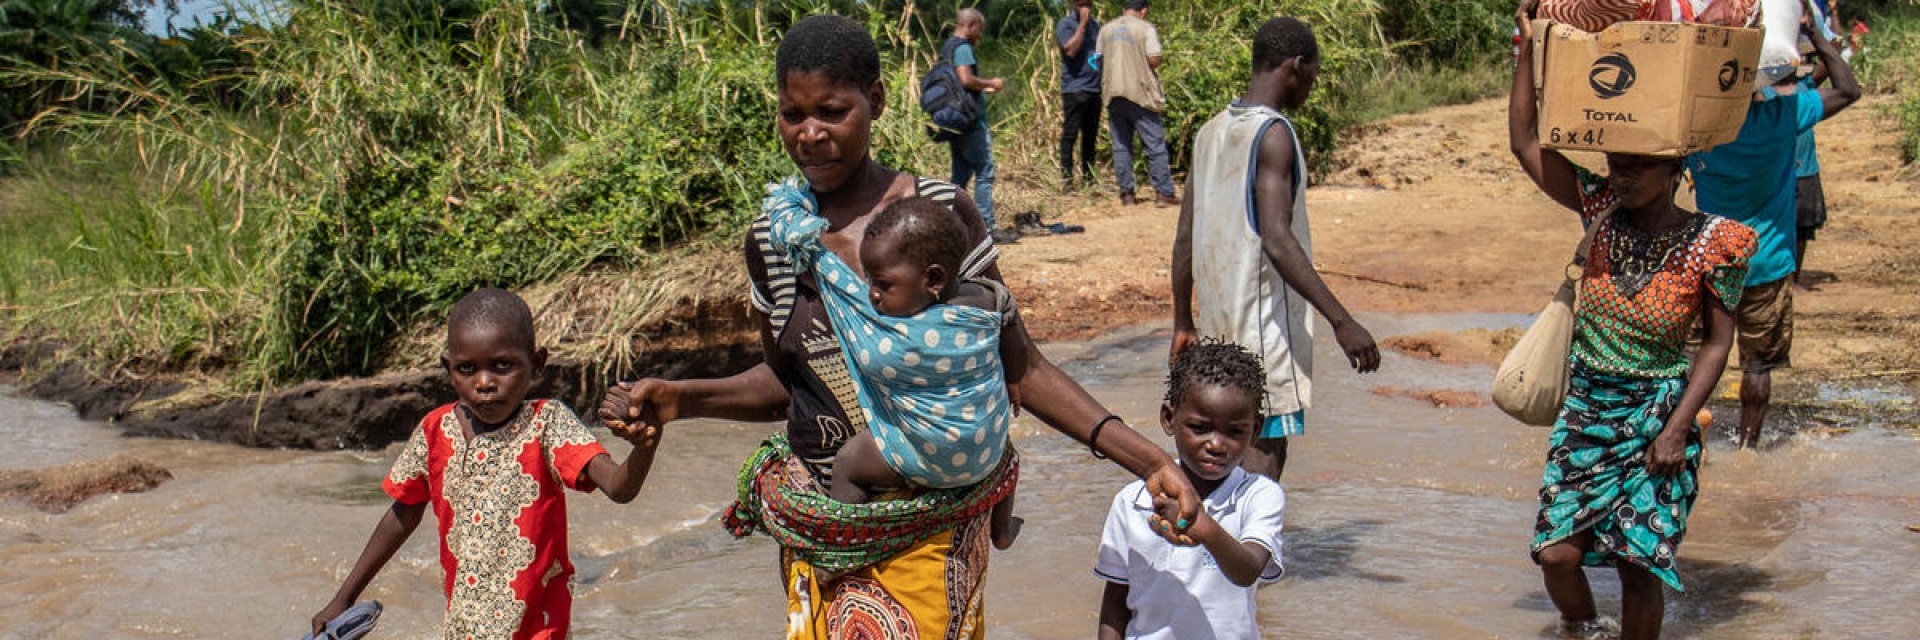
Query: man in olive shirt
point(1129, 53)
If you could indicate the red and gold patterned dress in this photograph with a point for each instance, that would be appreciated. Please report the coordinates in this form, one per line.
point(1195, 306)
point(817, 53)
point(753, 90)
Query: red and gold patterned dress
point(502, 515)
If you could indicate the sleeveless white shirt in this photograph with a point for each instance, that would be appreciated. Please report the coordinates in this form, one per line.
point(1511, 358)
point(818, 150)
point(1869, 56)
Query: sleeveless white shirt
point(1238, 293)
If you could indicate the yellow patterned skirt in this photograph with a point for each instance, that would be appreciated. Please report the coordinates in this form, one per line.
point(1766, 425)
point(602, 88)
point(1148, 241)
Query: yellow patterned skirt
point(933, 590)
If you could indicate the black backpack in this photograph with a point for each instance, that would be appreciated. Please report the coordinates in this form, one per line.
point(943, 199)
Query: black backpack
point(948, 103)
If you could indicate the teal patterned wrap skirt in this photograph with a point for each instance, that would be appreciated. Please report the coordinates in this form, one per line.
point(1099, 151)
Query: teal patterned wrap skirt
point(1596, 475)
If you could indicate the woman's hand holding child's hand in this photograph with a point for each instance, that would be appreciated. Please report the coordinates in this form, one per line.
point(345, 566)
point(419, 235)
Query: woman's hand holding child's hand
point(1175, 505)
point(642, 436)
point(648, 403)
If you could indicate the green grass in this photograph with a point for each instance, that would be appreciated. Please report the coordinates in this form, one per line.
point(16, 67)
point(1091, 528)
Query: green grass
point(1892, 65)
point(125, 272)
point(366, 172)
point(1410, 89)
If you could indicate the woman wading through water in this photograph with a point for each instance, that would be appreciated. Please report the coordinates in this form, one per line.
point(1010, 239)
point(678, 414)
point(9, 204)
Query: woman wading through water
point(1619, 479)
point(910, 564)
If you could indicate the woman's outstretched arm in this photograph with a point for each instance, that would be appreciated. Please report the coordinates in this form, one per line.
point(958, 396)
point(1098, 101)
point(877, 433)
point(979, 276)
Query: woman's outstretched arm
point(1064, 405)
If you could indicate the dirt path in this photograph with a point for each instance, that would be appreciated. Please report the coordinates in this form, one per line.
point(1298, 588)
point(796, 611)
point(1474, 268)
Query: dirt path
point(1429, 213)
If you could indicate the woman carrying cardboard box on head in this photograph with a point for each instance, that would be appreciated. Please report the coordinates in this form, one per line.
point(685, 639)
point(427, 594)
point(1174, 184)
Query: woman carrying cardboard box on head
point(1619, 478)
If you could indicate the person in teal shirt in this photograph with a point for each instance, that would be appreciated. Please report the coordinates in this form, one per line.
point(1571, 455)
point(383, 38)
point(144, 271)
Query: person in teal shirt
point(1810, 201)
point(1751, 180)
point(973, 149)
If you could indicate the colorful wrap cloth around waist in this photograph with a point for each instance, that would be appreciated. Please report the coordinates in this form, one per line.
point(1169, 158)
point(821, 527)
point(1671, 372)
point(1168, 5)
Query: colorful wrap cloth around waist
point(780, 498)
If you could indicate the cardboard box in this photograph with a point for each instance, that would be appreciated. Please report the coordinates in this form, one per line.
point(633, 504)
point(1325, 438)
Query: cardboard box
point(1653, 88)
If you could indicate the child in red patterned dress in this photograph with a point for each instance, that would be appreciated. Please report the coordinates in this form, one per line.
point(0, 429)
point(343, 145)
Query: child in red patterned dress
point(492, 467)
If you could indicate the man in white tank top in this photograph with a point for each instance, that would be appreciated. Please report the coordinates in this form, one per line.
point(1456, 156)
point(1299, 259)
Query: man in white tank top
point(1242, 261)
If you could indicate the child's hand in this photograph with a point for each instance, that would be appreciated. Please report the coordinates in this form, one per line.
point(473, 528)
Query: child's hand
point(1175, 505)
point(1013, 397)
point(326, 615)
point(613, 407)
point(649, 402)
point(641, 436)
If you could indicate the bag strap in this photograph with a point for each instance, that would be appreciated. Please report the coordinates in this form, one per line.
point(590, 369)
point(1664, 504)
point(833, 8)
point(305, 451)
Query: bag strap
point(1577, 267)
point(949, 48)
point(1586, 242)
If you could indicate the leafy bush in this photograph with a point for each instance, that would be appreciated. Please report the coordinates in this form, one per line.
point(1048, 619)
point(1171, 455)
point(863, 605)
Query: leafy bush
point(319, 186)
point(1891, 64)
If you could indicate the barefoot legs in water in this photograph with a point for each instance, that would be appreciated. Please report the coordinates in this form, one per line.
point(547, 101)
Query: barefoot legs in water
point(1642, 601)
point(1756, 391)
point(1567, 580)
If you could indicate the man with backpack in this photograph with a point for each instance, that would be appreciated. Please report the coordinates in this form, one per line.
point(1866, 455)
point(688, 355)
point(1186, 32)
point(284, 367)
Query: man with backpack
point(973, 146)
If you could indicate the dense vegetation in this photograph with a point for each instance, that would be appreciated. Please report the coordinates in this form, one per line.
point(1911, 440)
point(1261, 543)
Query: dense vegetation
point(277, 198)
point(1891, 64)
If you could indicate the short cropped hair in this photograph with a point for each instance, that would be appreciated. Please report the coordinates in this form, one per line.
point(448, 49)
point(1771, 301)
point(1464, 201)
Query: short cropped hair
point(1216, 363)
point(493, 309)
point(833, 46)
point(1281, 39)
point(928, 232)
point(1136, 5)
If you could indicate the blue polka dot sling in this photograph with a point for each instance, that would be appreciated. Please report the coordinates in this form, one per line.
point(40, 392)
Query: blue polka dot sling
point(931, 385)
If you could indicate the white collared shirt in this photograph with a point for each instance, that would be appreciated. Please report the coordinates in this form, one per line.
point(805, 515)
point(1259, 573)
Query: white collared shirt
point(1180, 592)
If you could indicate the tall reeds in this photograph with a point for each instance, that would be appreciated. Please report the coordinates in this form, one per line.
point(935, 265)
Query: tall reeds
point(372, 161)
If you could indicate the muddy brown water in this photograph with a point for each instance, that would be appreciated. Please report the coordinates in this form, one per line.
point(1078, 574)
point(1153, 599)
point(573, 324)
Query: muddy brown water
point(1403, 521)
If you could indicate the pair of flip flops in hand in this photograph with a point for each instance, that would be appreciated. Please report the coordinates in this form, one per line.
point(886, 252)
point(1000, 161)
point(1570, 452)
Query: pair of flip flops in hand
point(352, 624)
point(1028, 224)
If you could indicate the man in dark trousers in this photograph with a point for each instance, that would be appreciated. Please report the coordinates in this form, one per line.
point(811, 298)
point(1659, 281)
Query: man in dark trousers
point(1076, 34)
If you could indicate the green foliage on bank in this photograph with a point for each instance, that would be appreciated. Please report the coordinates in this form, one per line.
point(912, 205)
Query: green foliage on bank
point(1891, 64)
point(328, 181)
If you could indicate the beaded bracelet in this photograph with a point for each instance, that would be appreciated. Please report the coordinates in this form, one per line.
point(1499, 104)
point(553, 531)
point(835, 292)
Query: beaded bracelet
point(1094, 436)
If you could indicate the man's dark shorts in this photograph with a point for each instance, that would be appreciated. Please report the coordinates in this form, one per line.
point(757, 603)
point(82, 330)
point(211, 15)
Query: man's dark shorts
point(1765, 319)
point(1810, 203)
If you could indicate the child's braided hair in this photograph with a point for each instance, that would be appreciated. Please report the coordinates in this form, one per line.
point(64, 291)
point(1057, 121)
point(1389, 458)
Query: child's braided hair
point(1218, 363)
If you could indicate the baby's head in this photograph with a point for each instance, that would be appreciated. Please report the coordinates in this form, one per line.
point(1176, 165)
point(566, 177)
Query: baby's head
point(1212, 410)
point(912, 254)
point(492, 357)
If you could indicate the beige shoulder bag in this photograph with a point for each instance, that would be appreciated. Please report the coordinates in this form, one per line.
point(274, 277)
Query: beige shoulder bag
point(1532, 381)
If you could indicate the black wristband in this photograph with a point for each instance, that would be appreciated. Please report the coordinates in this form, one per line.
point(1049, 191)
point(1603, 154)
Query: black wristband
point(1094, 436)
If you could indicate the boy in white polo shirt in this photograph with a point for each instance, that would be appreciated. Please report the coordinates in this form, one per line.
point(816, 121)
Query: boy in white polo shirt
point(1156, 589)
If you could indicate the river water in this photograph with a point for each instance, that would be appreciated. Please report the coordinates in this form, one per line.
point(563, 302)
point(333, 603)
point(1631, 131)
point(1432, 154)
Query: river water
point(1403, 521)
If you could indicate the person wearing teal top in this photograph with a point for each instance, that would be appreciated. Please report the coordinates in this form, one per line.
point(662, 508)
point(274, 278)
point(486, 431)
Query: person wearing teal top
point(1751, 180)
point(973, 149)
point(1810, 203)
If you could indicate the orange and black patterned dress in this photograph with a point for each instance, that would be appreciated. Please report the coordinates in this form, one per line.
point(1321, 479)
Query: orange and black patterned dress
point(1640, 295)
point(502, 515)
